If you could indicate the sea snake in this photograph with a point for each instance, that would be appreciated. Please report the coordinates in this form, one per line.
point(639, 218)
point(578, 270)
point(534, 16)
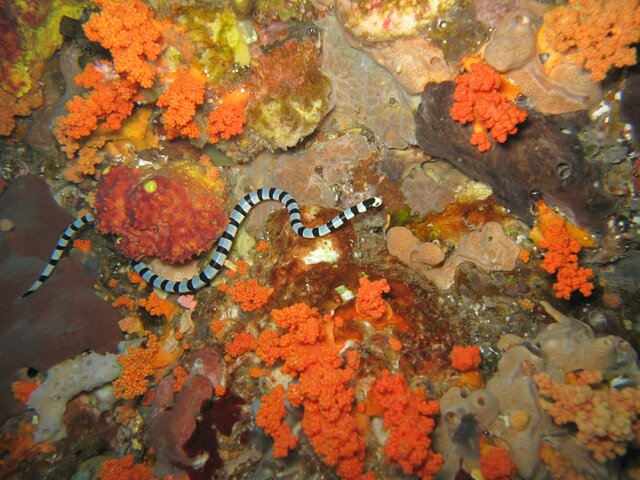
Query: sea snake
point(224, 243)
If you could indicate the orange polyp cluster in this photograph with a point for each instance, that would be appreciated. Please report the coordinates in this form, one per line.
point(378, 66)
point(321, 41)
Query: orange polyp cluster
point(108, 104)
point(307, 351)
point(594, 34)
point(270, 419)
point(241, 343)
point(478, 99)
point(249, 294)
point(158, 307)
point(124, 469)
point(181, 99)
point(496, 463)
point(464, 359)
point(563, 243)
point(228, 119)
point(22, 389)
point(369, 301)
point(82, 245)
point(409, 417)
point(130, 32)
point(138, 364)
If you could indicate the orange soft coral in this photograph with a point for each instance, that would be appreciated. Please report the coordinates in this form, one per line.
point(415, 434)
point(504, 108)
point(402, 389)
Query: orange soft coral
point(130, 32)
point(241, 343)
point(464, 359)
point(228, 120)
point(596, 34)
point(308, 352)
point(270, 419)
point(555, 235)
point(158, 307)
point(478, 100)
point(22, 389)
point(607, 419)
point(108, 104)
point(497, 464)
point(369, 300)
point(138, 364)
point(124, 469)
point(409, 417)
point(249, 294)
point(181, 99)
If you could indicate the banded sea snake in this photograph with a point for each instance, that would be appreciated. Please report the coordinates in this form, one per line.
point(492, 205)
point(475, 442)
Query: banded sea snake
point(224, 243)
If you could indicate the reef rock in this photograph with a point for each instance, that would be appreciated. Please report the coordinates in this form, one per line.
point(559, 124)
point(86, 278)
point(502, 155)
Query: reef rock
point(540, 157)
point(372, 98)
point(510, 407)
point(513, 50)
point(65, 316)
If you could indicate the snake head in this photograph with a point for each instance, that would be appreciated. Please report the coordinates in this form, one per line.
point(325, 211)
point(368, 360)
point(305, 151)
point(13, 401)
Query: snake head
point(377, 201)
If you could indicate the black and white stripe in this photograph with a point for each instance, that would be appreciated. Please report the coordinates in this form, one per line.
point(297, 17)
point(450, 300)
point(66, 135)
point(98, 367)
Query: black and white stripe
point(237, 216)
point(225, 241)
point(61, 246)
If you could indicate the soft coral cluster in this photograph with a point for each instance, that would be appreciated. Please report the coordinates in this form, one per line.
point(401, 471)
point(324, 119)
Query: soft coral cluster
point(596, 34)
point(607, 419)
point(478, 99)
point(227, 119)
point(124, 469)
point(409, 417)
point(270, 419)
point(172, 213)
point(308, 351)
point(107, 105)
point(131, 33)
point(369, 301)
point(138, 364)
point(181, 98)
point(555, 235)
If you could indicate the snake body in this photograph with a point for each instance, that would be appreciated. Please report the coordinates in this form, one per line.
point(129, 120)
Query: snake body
point(224, 244)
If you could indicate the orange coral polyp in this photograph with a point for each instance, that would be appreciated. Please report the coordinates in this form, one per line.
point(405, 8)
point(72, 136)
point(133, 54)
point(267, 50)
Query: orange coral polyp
point(181, 99)
point(124, 469)
point(137, 365)
point(228, 119)
point(249, 294)
point(369, 301)
point(464, 359)
point(107, 105)
point(594, 34)
point(270, 418)
point(478, 98)
point(408, 415)
point(130, 32)
point(555, 235)
point(497, 464)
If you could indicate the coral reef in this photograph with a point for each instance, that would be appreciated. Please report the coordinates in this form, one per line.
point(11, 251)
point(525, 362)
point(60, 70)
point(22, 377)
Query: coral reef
point(173, 213)
point(415, 342)
point(542, 159)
